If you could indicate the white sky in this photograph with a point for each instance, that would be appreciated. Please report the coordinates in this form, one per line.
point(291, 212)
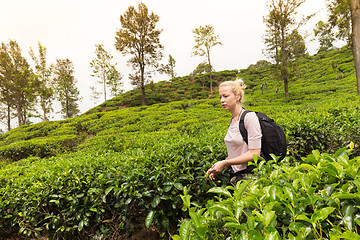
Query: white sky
point(71, 28)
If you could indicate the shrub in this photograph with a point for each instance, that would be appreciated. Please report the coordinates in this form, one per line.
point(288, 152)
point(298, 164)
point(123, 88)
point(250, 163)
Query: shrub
point(41, 147)
point(305, 201)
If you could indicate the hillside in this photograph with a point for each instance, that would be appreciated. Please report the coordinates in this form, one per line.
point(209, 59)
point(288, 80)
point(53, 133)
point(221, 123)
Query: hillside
point(176, 89)
point(324, 77)
point(118, 167)
point(331, 71)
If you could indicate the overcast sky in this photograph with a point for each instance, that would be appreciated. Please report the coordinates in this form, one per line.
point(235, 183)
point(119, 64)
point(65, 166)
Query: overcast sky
point(71, 28)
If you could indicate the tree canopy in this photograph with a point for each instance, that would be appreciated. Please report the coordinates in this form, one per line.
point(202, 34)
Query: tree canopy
point(43, 74)
point(106, 71)
point(282, 39)
point(18, 86)
point(67, 92)
point(139, 38)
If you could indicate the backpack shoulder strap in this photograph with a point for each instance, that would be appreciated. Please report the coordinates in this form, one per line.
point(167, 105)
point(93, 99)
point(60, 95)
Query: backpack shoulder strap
point(242, 128)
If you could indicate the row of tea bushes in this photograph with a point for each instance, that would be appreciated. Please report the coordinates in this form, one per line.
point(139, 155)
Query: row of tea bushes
point(79, 194)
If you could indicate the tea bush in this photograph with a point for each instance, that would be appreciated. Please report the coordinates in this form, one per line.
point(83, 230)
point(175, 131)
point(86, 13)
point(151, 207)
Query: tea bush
point(317, 198)
point(66, 195)
point(41, 147)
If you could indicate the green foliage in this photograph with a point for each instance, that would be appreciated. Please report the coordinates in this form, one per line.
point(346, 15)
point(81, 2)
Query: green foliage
point(283, 42)
point(43, 74)
point(17, 82)
point(139, 38)
point(106, 72)
point(41, 147)
point(129, 166)
point(67, 92)
point(315, 199)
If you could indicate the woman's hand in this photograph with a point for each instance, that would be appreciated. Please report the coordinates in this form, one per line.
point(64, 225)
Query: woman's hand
point(216, 169)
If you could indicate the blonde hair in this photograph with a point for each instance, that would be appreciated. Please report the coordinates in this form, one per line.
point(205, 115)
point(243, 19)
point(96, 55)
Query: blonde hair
point(238, 86)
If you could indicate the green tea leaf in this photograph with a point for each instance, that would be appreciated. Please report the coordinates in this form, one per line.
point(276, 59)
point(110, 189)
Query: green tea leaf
point(108, 190)
point(350, 235)
point(178, 186)
point(269, 217)
point(321, 214)
point(255, 235)
point(273, 236)
point(236, 225)
point(149, 218)
point(176, 237)
point(185, 229)
point(345, 196)
point(289, 193)
point(156, 201)
point(201, 231)
point(304, 218)
point(223, 209)
point(296, 226)
point(219, 190)
point(195, 219)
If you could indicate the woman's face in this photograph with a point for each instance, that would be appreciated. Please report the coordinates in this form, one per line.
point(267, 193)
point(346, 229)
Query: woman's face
point(228, 99)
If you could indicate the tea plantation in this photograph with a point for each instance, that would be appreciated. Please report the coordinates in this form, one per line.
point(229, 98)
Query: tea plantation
point(123, 171)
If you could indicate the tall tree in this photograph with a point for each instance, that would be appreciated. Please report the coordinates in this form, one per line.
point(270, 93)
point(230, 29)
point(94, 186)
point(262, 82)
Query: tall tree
point(140, 38)
point(169, 68)
point(105, 70)
point(345, 15)
point(6, 86)
point(355, 18)
point(283, 42)
point(67, 92)
point(17, 83)
point(205, 40)
point(43, 74)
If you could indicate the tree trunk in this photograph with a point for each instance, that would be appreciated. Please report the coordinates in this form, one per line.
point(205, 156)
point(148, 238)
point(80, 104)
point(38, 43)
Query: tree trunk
point(355, 19)
point(44, 111)
point(143, 102)
point(284, 59)
point(8, 118)
point(142, 84)
point(104, 81)
point(210, 71)
point(19, 115)
point(67, 107)
point(45, 117)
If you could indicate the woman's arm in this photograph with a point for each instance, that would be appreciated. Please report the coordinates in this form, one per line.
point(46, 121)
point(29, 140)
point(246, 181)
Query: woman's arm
point(219, 166)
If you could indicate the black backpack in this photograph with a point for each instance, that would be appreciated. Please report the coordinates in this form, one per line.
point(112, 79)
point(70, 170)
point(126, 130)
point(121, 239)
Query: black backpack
point(273, 137)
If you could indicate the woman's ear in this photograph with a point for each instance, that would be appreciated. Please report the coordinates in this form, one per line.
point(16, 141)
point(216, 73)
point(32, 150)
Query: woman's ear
point(238, 97)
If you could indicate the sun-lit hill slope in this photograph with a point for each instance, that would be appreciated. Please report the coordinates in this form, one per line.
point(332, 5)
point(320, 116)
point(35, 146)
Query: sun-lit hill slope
point(108, 173)
point(324, 77)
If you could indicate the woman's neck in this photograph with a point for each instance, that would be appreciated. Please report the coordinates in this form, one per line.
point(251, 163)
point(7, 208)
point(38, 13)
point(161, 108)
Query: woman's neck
point(237, 111)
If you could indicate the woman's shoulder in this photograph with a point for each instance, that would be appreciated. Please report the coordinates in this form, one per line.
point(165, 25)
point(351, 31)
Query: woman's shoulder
point(250, 114)
point(250, 117)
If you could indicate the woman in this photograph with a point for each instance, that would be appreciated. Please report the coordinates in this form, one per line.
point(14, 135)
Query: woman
point(239, 153)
